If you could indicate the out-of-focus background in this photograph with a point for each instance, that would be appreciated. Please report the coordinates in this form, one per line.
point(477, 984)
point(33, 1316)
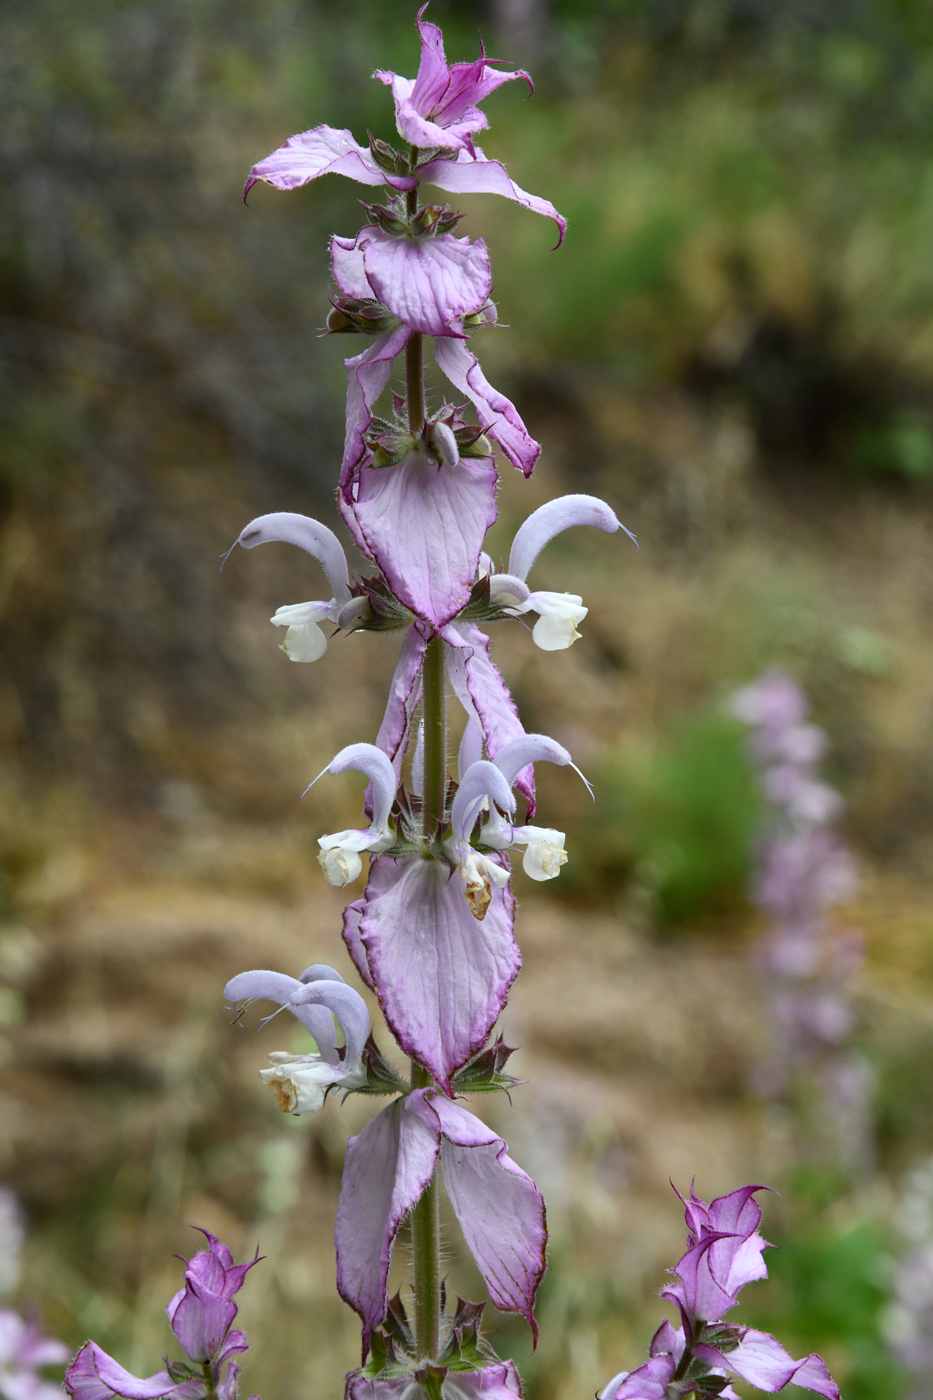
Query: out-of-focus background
point(735, 348)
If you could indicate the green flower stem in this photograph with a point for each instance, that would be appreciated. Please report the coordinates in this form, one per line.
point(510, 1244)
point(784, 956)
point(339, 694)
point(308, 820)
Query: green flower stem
point(425, 1220)
point(414, 383)
point(426, 1252)
point(435, 740)
point(425, 1224)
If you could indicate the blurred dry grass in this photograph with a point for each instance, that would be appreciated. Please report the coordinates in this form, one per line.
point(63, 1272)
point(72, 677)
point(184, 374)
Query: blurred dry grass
point(163, 386)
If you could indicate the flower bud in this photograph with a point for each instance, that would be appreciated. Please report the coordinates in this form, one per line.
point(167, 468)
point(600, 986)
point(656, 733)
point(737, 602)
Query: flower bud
point(442, 444)
point(387, 157)
point(358, 315)
point(487, 315)
point(387, 217)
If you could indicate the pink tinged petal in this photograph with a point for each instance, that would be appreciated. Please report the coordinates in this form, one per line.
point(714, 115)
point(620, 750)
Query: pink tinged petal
point(346, 261)
point(427, 282)
point(322, 151)
point(201, 1321)
point(738, 1213)
point(404, 694)
point(387, 1168)
point(553, 518)
point(482, 780)
point(321, 972)
point(648, 1382)
point(424, 526)
point(668, 1340)
point(93, 1375)
point(351, 936)
point(474, 174)
point(262, 985)
point(287, 527)
point(442, 978)
point(478, 685)
point(700, 1293)
point(368, 374)
point(468, 84)
point(499, 1208)
point(763, 1362)
point(497, 414)
point(741, 1264)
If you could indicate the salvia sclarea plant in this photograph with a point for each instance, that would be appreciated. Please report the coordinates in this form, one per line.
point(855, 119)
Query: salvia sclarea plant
point(201, 1315)
point(432, 935)
point(707, 1351)
point(804, 870)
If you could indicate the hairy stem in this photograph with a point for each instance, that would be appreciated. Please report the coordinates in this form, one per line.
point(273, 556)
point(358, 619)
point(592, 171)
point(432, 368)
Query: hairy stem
point(414, 383)
point(435, 740)
point(425, 1223)
point(426, 1252)
point(411, 198)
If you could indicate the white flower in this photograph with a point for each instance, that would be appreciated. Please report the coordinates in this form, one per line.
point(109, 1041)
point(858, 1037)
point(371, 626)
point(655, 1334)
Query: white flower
point(558, 613)
point(340, 857)
point(304, 640)
point(300, 1082)
point(544, 850)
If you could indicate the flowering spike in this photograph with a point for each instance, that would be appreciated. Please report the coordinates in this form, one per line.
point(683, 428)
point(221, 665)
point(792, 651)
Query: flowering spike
point(724, 1252)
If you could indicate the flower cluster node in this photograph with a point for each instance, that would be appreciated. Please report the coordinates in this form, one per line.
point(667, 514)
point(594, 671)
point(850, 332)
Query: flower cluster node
point(201, 1315)
point(701, 1356)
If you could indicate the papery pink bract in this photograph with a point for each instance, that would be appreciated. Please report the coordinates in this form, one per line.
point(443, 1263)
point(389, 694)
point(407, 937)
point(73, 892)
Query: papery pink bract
point(763, 1362)
point(478, 685)
point(404, 693)
point(424, 525)
point(389, 1164)
point(439, 107)
point(497, 414)
point(368, 374)
point(93, 1375)
point(324, 150)
point(202, 1312)
point(429, 282)
point(499, 1208)
point(474, 174)
point(441, 976)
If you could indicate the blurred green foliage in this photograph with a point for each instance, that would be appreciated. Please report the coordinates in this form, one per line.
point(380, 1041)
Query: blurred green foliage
point(678, 821)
